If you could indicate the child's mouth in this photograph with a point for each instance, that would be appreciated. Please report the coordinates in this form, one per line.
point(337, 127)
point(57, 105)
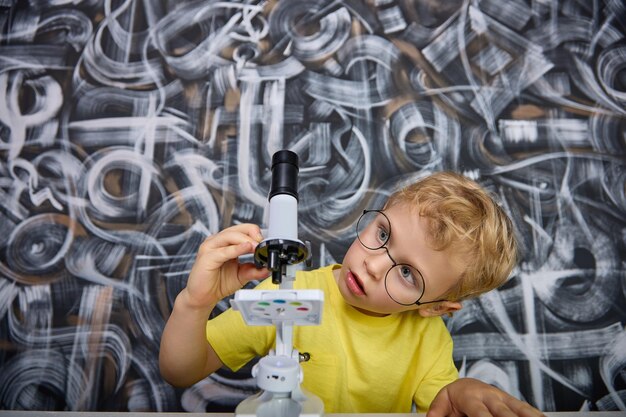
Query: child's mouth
point(354, 284)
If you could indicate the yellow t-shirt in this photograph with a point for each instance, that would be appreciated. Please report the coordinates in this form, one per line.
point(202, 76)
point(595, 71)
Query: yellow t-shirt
point(359, 363)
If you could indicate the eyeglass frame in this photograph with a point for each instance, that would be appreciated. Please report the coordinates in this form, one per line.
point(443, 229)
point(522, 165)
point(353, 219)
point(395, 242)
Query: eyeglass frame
point(384, 246)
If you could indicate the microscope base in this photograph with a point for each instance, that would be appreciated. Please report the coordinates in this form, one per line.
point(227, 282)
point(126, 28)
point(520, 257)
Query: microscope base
point(267, 404)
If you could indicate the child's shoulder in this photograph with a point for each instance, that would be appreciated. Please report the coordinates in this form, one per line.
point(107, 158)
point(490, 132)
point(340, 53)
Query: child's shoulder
point(317, 278)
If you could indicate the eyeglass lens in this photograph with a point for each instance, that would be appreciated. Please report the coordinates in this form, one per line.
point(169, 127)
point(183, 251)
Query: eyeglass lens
point(404, 283)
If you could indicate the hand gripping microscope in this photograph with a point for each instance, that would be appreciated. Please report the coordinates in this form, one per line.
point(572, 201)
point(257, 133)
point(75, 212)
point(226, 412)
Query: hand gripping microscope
point(279, 374)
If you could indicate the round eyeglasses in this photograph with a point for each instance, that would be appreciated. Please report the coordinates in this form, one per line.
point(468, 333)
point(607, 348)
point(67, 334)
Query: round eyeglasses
point(403, 282)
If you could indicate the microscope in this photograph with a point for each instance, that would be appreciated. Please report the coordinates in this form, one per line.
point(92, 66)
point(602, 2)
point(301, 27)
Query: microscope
point(279, 374)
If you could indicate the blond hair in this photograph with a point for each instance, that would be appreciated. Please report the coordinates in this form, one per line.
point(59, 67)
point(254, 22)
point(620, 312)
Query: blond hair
point(464, 219)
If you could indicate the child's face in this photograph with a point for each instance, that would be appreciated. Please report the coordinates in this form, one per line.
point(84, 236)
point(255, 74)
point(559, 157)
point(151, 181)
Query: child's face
point(361, 279)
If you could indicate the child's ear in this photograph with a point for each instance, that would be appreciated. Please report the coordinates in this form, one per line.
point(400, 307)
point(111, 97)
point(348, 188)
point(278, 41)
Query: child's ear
point(439, 309)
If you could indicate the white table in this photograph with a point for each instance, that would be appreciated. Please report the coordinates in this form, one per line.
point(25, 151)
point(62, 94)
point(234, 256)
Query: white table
point(9, 413)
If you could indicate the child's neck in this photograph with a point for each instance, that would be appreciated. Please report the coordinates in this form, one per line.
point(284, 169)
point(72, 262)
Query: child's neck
point(369, 313)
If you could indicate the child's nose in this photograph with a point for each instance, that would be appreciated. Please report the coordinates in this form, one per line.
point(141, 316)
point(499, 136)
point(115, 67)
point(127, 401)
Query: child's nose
point(377, 264)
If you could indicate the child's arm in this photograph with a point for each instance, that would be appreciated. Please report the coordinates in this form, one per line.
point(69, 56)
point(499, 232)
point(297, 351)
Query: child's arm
point(473, 398)
point(185, 356)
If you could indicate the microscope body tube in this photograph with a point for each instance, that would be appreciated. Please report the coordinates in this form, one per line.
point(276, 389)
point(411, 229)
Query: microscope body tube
point(282, 246)
point(283, 217)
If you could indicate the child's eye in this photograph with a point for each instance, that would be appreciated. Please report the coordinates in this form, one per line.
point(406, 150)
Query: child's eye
point(404, 284)
point(382, 235)
point(407, 274)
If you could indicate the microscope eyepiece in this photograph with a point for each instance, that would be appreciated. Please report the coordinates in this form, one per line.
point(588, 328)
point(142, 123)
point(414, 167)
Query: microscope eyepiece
point(284, 174)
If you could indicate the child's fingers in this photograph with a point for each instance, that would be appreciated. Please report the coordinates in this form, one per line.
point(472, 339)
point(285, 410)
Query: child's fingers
point(473, 398)
point(217, 268)
point(234, 235)
point(215, 258)
point(499, 408)
point(228, 244)
point(512, 406)
point(249, 272)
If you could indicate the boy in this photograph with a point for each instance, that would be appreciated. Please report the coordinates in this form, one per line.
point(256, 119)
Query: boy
point(381, 345)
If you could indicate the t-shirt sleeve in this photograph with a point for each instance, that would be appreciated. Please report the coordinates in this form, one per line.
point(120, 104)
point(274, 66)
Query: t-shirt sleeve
point(441, 374)
point(234, 341)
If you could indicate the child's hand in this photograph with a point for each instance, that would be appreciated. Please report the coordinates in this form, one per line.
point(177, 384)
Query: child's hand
point(473, 398)
point(216, 272)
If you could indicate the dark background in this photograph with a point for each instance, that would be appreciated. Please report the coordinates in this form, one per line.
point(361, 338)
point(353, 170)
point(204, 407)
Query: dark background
point(131, 130)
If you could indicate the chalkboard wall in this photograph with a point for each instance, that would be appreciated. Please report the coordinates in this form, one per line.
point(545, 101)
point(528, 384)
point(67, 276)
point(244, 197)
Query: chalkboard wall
point(130, 130)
